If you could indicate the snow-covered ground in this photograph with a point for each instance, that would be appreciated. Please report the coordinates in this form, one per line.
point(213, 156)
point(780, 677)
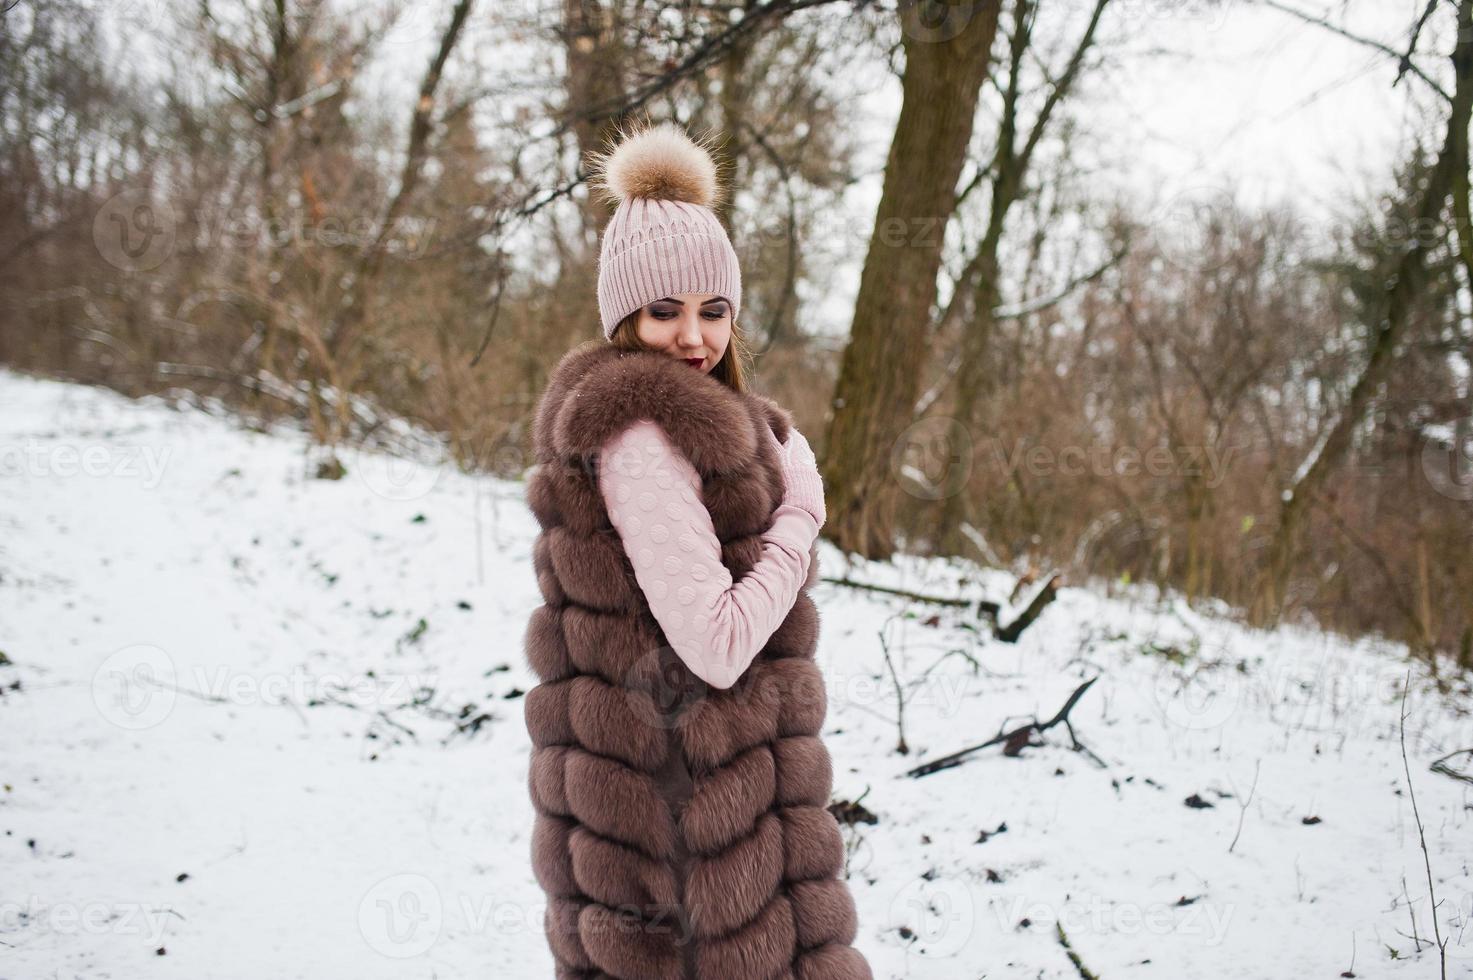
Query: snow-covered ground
point(257, 724)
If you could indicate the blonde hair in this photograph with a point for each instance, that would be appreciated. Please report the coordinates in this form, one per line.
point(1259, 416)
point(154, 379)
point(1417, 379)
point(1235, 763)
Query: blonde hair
point(731, 370)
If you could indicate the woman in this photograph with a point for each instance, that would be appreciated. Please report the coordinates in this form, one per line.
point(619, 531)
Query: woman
point(680, 786)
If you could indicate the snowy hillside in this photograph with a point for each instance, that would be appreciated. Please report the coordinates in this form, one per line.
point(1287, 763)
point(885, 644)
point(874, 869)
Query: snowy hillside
point(261, 725)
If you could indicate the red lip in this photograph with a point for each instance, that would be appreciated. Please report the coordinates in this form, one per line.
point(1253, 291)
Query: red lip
point(695, 362)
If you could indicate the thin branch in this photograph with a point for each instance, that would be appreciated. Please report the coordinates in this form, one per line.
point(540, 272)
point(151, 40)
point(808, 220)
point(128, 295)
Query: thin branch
point(1015, 739)
point(1421, 833)
point(710, 51)
point(501, 273)
point(790, 275)
point(1404, 62)
point(1014, 312)
point(1243, 811)
point(1037, 305)
point(903, 593)
point(419, 132)
point(1416, 35)
point(901, 746)
point(1061, 89)
point(1084, 972)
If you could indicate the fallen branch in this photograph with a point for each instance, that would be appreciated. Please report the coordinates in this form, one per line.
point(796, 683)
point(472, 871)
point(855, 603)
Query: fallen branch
point(1084, 972)
point(1444, 766)
point(903, 593)
point(1024, 580)
point(986, 609)
point(1044, 596)
point(468, 721)
point(1017, 739)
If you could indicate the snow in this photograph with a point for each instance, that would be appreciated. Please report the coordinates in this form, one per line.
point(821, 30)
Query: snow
point(233, 672)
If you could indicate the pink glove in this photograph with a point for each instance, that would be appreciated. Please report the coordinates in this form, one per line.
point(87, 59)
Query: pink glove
point(803, 486)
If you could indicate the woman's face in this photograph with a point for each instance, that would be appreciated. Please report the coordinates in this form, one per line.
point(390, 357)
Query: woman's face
point(690, 327)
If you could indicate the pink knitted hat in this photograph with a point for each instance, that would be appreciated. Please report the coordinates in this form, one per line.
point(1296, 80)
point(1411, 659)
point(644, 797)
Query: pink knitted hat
point(663, 238)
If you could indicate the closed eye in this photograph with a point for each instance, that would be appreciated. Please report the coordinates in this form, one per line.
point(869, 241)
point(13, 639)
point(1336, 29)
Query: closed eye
point(709, 313)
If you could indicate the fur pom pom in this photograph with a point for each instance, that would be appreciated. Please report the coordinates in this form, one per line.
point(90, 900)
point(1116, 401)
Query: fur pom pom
point(659, 162)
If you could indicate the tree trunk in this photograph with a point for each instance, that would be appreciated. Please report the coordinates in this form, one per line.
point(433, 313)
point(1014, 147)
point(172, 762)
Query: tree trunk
point(597, 59)
point(596, 64)
point(879, 373)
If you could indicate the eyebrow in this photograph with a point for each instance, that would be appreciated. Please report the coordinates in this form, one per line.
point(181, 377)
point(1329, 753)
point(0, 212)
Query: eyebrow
point(672, 299)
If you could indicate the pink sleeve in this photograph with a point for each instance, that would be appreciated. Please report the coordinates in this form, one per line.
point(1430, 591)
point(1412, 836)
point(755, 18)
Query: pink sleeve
point(652, 493)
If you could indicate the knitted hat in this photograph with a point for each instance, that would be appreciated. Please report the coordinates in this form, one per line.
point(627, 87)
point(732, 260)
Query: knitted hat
point(663, 238)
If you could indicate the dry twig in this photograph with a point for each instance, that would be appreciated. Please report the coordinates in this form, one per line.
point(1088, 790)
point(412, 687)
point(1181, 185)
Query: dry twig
point(1421, 833)
point(1017, 739)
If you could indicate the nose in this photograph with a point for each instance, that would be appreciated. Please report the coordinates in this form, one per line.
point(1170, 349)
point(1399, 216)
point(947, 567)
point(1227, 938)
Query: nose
point(689, 335)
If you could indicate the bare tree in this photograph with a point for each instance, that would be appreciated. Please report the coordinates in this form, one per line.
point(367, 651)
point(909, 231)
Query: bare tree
point(879, 374)
point(1008, 172)
point(1404, 275)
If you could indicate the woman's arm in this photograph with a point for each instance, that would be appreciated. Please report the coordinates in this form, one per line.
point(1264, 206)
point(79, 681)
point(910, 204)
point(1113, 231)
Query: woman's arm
point(652, 493)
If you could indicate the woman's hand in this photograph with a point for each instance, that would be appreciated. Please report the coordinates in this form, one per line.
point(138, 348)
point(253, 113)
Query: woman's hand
point(803, 486)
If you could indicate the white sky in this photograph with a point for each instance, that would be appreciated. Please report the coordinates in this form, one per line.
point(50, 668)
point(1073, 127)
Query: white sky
point(1282, 108)
point(1187, 100)
point(1188, 97)
point(1192, 93)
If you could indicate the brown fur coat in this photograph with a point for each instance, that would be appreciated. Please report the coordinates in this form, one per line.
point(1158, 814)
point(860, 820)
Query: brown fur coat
point(682, 831)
